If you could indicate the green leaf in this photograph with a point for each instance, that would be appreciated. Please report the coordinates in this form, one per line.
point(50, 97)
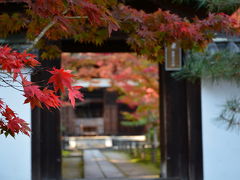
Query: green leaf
point(6, 134)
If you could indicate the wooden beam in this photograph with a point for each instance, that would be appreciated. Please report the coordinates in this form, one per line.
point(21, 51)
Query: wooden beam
point(194, 131)
point(108, 46)
point(36, 143)
point(180, 128)
point(46, 138)
point(173, 126)
point(110, 113)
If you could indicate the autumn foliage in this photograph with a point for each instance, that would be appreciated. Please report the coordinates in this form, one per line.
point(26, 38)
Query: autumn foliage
point(71, 19)
point(12, 65)
point(150, 32)
point(134, 78)
point(89, 21)
point(93, 21)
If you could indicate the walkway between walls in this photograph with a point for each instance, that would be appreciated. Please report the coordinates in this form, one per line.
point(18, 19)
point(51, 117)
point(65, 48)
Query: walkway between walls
point(97, 166)
point(110, 164)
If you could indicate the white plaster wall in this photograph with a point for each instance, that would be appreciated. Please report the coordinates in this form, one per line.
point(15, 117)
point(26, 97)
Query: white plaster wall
point(221, 148)
point(15, 154)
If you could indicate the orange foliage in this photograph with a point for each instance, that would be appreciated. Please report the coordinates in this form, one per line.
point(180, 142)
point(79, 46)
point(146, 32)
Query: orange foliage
point(135, 78)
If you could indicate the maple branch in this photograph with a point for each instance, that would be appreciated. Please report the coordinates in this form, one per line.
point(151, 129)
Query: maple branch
point(10, 85)
point(41, 35)
point(76, 17)
point(9, 76)
point(43, 32)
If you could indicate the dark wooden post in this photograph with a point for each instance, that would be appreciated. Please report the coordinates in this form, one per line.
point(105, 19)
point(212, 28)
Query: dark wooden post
point(46, 142)
point(110, 113)
point(180, 128)
point(194, 130)
point(173, 126)
point(36, 144)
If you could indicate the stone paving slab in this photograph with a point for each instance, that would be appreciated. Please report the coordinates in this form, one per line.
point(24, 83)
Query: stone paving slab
point(108, 169)
point(114, 166)
point(97, 166)
point(130, 169)
point(91, 168)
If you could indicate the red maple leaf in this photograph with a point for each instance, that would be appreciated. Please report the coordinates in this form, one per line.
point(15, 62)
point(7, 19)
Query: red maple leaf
point(8, 113)
point(1, 104)
point(60, 78)
point(24, 126)
point(74, 93)
point(12, 124)
point(34, 95)
point(17, 124)
point(28, 59)
point(50, 99)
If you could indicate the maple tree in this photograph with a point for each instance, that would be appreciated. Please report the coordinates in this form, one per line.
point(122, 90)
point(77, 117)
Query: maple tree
point(150, 33)
point(11, 71)
point(90, 21)
point(38, 18)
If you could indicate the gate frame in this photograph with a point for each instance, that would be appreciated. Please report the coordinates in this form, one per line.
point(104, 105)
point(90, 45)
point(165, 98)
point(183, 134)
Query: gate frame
point(180, 124)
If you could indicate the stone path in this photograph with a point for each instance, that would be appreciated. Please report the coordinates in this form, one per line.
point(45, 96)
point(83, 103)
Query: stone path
point(97, 166)
point(130, 169)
